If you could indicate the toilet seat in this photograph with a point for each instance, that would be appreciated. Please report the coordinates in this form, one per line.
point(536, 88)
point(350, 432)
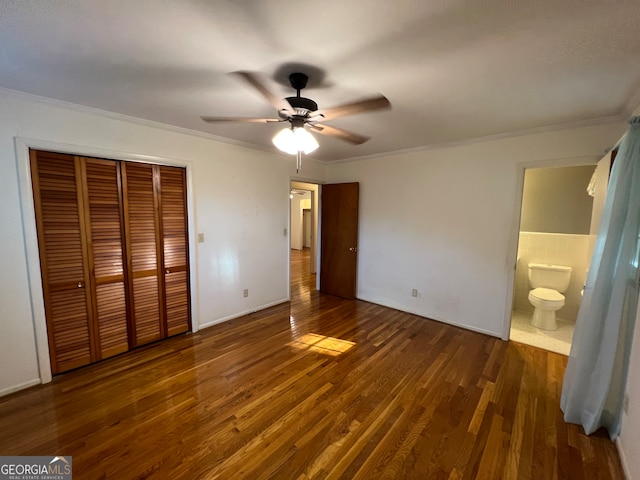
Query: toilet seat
point(546, 297)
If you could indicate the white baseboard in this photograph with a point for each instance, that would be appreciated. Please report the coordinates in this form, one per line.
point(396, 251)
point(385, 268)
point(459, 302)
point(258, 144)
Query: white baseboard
point(241, 314)
point(427, 316)
point(623, 460)
point(20, 386)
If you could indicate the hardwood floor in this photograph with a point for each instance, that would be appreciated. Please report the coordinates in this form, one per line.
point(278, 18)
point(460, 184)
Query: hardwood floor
point(317, 388)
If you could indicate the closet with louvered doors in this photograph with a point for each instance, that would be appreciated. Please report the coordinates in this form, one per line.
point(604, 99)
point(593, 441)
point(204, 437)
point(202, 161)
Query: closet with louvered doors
point(112, 280)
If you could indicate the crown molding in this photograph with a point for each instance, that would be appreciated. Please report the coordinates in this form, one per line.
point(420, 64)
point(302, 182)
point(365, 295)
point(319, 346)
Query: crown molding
point(489, 138)
point(75, 107)
point(632, 108)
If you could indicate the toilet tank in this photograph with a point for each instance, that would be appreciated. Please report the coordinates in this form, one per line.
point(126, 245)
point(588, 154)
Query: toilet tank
point(549, 276)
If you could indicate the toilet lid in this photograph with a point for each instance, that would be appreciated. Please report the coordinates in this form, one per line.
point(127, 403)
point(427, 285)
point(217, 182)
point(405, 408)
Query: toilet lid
point(548, 294)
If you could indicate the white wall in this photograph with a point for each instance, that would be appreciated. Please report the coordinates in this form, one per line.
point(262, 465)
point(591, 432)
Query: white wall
point(307, 228)
point(445, 222)
point(298, 204)
point(239, 200)
point(296, 223)
point(629, 439)
point(555, 200)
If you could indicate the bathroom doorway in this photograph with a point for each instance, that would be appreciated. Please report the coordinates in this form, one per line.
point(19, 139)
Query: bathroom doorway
point(559, 218)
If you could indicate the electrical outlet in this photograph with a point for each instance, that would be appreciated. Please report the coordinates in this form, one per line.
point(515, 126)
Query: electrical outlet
point(246, 292)
point(625, 404)
point(414, 293)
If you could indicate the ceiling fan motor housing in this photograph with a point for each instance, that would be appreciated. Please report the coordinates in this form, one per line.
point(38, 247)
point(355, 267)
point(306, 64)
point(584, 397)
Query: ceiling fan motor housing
point(302, 105)
point(298, 80)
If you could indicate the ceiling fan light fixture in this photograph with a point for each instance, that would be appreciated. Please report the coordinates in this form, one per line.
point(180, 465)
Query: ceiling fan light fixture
point(294, 140)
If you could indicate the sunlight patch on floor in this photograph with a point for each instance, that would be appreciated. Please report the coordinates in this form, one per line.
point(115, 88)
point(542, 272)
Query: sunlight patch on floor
point(322, 344)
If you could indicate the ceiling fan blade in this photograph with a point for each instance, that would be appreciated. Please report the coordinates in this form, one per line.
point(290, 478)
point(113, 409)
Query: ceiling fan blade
point(257, 82)
point(367, 105)
point(240, 120)
point(345, 135)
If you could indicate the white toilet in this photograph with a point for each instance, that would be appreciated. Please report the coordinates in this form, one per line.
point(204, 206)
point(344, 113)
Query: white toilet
point(548, 283)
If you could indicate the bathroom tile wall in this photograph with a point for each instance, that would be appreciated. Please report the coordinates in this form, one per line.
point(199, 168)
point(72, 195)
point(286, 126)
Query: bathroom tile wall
point(560, 249)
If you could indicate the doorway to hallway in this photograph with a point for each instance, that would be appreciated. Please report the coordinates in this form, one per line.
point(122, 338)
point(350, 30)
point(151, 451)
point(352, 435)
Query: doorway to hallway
point(303, 229)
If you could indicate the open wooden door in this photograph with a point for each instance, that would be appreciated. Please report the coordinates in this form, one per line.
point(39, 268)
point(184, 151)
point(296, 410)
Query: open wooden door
point(339, 239)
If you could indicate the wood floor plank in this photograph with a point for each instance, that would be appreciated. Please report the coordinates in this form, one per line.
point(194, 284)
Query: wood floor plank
point(319, 387)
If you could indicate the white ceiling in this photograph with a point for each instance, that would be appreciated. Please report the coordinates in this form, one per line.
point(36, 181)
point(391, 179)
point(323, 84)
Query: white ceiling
point(454, 70)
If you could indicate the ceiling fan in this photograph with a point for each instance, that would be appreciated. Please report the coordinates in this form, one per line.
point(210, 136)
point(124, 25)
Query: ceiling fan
point(303, 112)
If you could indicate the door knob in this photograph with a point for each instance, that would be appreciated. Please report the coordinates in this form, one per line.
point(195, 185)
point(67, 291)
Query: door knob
point(353, 249)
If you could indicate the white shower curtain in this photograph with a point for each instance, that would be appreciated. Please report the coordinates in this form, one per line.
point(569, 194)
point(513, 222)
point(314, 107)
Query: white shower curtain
point(596, 374)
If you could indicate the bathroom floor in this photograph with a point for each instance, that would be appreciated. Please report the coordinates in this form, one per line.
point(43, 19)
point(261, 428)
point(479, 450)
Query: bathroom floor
point(558, 341)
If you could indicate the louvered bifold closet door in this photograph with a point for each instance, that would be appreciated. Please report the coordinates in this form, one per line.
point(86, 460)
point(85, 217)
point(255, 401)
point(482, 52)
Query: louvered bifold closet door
point(106, 254)
point(143, 245)
point(175, 248)
point(63, 259)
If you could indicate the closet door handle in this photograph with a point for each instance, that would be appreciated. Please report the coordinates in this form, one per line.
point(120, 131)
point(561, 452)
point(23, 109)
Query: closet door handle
point(167, 271)
point(80, 284)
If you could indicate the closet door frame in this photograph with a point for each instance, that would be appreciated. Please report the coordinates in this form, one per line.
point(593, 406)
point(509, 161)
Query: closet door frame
point(22, 146)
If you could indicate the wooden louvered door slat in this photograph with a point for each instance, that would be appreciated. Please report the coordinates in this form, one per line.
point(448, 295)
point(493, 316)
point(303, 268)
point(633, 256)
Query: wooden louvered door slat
point(63, 259)
point(175, 248)
point(106, 256)
point(141, 224)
